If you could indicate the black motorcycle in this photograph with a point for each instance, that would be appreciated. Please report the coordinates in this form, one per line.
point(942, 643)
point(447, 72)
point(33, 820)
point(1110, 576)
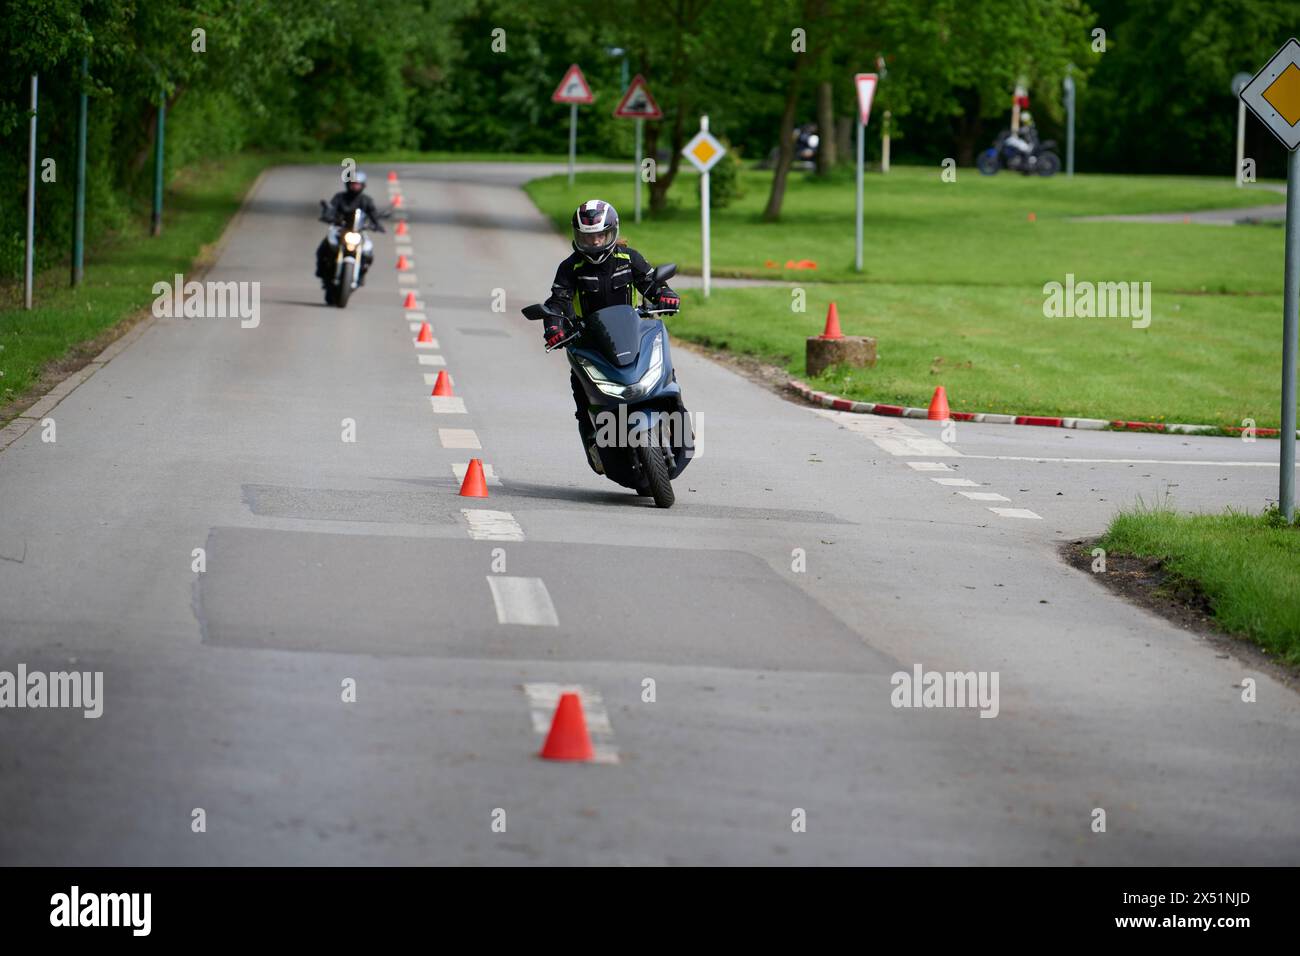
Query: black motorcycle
point(347, 236)
point(1032, 157)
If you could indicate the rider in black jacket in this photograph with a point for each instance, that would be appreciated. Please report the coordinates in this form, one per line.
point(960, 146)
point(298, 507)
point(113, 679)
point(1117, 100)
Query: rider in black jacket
point(602, 271)
point(341, 207)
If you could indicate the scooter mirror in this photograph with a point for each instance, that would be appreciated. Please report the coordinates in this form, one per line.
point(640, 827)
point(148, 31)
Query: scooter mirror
point(665, 272)
point(534, 313)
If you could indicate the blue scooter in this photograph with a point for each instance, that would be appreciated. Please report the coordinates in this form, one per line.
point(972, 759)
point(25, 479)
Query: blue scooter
point(620, 356)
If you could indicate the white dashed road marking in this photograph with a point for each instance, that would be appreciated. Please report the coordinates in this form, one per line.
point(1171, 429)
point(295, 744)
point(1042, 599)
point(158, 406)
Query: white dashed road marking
point(431, 344)
point(956, 482)
point(447, 404)
point(407, 278)
point(431, 360)
point(544, 698)
point(414, 316)
point(983, 496)
point(522, 601)
point(487, 525)
point(1135, 461)
point(928, 466)
point(458, 438)
point(1016, 513)
point(891, 436)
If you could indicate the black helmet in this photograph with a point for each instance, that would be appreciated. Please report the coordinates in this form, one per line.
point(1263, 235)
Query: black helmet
point(595, 230)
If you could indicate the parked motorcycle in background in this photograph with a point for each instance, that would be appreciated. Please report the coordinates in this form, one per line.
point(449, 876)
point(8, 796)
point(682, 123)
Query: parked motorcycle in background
point(1022, 152)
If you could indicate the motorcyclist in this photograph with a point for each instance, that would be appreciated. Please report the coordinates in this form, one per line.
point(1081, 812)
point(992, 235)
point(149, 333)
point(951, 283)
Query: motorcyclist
point(340, 208)
point(602, 271)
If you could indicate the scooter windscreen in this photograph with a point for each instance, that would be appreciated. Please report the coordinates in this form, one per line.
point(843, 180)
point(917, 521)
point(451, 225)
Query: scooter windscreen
point(615, 332)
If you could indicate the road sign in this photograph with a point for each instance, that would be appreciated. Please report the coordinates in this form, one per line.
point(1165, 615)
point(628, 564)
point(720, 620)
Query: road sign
point(637, 103)
point(1273, 94)
point(704, 150)
point(866, 84)
point(573, 88)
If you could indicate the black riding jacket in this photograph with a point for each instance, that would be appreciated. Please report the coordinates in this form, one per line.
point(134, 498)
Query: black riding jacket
point(343, 204)
point(580, 287)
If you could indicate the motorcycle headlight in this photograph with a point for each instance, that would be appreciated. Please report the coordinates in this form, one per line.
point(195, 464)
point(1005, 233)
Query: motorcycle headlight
point(353, 239)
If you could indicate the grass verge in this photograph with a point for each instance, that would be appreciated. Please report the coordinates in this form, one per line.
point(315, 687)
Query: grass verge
point(1245, 567)
point(953, 289)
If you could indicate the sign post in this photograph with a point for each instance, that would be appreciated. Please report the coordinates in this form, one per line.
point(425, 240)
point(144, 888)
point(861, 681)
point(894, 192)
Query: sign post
point(704, 152)
point(1273, 95)
point(1068, 83)
point(1238, 84)
point(866, 85)
point(573, 89)
point(637, 104)
point(31, 203)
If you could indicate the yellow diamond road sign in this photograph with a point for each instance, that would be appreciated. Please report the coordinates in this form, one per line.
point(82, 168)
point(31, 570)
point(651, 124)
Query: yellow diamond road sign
point(1273, 95)
point(703, 151)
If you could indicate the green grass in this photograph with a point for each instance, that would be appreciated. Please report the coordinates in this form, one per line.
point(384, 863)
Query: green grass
point(119, 276)
point(953, 289)
point(1248, 566)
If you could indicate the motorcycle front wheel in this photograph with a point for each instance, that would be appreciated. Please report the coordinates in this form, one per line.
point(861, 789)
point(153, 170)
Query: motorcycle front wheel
point(345, 284)
point(655, 470)
point(987, 162)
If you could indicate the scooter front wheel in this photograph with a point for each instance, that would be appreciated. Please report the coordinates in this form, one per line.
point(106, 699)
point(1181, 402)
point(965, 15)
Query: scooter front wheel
point(987, 162)
point(345, 285)
point(655, 470)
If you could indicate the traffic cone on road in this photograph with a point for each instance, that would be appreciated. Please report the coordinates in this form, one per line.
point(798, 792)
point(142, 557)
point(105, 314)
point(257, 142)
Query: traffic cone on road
point(939, 406)
point(426, 335)
point(442, 387)
point(392, 176)
point(397, 201)
point(568, 739)
point(409, 301)
point(403, 263)
point(474, 485)
point(832, 324)
point(401, 227)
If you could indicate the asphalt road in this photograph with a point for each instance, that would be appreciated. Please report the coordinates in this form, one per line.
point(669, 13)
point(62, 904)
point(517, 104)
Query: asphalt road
point(329, 560)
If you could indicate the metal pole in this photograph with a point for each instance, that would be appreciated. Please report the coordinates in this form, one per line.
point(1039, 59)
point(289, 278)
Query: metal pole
point(884, 146)
point(704, 213)
point(637, 184)
point(79, 204)
point(1069, 125)
point(857, 258)
point(573, 138)
point(1291, 305)
point(158, 165)
point(1241, 139)
point(31, 202)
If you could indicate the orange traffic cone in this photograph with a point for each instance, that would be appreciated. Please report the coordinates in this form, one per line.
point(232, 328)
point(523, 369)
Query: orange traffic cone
point(939, 406)
point(442, 387)
point(397, 201)
point(475, 486)
point(568, 739)
point(1033, 218)
point(426, 333)
point(403, 263)
point(392, 176)
point(409, 301)
point(832, 324)
point(401, 227)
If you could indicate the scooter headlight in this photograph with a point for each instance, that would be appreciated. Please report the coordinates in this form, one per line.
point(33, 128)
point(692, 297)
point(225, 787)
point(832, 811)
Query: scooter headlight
point(638, 388)
point(353, 239)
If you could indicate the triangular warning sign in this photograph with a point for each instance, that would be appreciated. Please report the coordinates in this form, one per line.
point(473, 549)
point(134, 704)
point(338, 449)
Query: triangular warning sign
point(637, 103)
point(573, 88)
